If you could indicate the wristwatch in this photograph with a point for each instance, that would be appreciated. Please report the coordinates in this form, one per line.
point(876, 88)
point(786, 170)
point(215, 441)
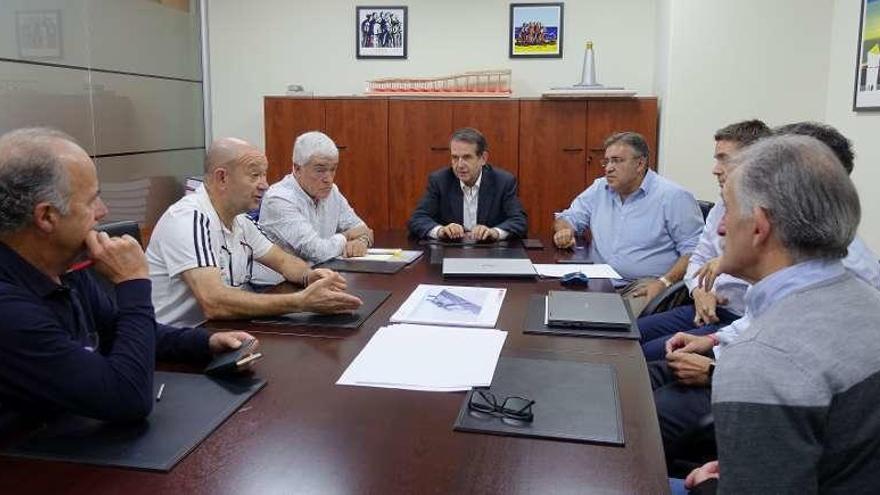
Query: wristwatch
point(665, 281)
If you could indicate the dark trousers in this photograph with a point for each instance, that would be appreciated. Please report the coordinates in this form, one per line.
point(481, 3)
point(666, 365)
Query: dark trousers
point(680, 409)
point(656, 329)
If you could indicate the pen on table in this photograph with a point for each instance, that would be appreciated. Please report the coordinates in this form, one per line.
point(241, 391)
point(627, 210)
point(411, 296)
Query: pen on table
point(159, 395)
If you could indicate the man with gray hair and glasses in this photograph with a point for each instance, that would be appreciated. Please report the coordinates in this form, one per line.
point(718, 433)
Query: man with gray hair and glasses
point(306, 214)
point(66, 346)
point(794, 397)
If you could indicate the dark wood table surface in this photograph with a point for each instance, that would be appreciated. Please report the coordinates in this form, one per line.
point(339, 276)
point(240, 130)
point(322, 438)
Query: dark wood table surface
point(304, 434)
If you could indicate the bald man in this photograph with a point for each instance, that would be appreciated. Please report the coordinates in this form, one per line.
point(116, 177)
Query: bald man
point(202, 251)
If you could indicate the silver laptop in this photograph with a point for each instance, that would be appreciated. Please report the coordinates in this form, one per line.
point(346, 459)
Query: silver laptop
point(598, 310)
point(488, 267)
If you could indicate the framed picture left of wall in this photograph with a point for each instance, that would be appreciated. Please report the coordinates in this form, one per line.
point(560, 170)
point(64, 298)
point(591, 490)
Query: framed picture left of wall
point(381, 32)
point(38, 33)
point(867, 85)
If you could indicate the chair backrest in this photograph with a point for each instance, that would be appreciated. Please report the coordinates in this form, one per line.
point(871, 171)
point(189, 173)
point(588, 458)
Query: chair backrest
point(118, 229)
point(673, 296)
point(705, 206)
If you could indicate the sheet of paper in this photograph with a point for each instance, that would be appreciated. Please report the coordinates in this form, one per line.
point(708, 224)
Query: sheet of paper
point(590, 270)
point(428, 358)
point(451, 305)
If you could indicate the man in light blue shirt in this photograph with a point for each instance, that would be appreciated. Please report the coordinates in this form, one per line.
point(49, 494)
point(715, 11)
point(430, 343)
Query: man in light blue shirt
point(643, 225)
point(722, 302)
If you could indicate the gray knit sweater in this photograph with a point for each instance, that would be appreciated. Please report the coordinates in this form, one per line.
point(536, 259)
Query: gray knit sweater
point(796, 398)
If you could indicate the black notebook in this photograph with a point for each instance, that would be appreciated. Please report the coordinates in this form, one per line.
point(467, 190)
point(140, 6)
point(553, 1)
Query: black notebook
point(536, 323)
point(372, 299)
point(192, 406)
point(573, 401)
point(363, 266)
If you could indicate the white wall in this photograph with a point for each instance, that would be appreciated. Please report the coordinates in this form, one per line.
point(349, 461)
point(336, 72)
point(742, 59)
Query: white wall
point(258, 48)
point(712, 62)
point(862, 128)
point(731, 61)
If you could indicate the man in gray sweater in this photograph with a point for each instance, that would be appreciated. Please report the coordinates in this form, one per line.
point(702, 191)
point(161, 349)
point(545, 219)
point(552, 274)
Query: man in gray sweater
point(795, 396)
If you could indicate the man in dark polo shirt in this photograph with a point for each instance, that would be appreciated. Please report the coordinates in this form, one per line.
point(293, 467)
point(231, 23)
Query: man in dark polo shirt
point(64, 346)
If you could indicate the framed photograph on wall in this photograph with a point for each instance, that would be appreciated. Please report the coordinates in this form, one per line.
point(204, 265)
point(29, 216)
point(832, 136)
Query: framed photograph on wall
point(381, 32)
point(535, 30)
point(38, 33)
point(867, 85)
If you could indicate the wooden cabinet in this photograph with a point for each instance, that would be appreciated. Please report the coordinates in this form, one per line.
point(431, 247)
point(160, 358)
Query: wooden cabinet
point(360, 130)
point(284, 120)
point(418, 143)
point(552, 157)
point(388, 147)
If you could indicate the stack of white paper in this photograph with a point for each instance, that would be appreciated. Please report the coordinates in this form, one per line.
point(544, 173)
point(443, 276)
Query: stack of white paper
point(451, 305)
point(428, 358)
point(590, 270)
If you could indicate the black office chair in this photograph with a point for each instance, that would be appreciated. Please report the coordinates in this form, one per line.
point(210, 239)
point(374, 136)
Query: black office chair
point(705, 206)
point(116, 229)
point(673, 296)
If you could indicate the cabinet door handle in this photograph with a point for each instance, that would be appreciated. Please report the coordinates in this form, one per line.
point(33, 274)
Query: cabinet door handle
point(340, 148)
point(439, 148)
point(572, 149)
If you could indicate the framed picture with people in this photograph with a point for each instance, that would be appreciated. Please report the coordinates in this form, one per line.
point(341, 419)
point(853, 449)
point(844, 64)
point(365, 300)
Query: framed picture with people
point(381, 32)
point(867, 86)
point(535, 30)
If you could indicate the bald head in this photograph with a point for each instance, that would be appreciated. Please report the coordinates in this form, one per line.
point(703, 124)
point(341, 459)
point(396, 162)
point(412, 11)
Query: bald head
point(227, 152)
point(235, 175)
point(32, 171)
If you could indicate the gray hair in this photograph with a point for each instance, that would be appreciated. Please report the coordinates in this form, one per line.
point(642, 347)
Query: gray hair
point(311, 144)
point(632, 139)
point(811, 202)
point(31, 173)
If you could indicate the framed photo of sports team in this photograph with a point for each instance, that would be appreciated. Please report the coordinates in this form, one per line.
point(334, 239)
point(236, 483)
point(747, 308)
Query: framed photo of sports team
point(381, 32)
point(535, 30)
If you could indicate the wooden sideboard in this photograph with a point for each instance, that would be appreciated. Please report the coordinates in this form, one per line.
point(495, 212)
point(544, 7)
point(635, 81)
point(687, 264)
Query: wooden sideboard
point(388, 146)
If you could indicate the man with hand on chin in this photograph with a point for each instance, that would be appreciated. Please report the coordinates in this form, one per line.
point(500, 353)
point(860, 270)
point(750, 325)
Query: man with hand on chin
point(470, 200)
point(66, 346)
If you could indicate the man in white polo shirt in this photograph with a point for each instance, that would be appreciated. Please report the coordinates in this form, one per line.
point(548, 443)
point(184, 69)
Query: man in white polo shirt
point(203, 249)
point(306, 214)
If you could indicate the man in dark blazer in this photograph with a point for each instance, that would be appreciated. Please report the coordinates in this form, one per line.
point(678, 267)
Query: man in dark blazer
point(470, 200)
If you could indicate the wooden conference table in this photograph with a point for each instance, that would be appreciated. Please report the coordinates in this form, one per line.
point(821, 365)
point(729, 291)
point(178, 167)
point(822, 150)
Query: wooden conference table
point(304, 434)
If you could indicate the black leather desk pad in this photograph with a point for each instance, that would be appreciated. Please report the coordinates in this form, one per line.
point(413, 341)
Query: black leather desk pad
point(192, 407)
point(574, 401)
point(579, 255)
point(372, 299)
point(437, 253)
point(364, 266)
point(535, 324)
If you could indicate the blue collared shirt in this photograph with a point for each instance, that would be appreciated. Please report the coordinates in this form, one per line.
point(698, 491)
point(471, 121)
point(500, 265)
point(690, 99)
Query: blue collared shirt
point(860, 261)
point(642, 236)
